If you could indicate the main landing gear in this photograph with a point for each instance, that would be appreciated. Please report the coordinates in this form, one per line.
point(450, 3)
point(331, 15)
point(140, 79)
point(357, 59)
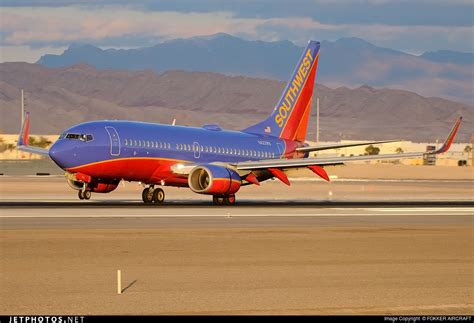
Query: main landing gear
point(84, 195)
point(223, 199)
point(153, 195)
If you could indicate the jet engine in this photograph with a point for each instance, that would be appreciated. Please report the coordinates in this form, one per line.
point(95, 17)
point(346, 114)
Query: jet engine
point(214, 180)
point(99, 185)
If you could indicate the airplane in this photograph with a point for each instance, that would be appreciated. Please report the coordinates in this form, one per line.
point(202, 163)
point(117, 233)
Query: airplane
point(96, 156)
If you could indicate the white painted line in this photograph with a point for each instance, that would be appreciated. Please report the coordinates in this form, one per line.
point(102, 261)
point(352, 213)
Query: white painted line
point(219, 215)
point(427, 209)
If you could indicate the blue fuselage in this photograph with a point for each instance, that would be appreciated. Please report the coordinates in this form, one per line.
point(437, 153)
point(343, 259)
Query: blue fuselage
point(95, 143)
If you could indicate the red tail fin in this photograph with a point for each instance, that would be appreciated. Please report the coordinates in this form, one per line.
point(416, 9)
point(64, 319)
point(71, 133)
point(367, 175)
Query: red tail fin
point(289, 119)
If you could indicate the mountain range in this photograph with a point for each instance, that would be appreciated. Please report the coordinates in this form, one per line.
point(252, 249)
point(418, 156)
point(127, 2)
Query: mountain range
point(348, 62)
point(60, 97)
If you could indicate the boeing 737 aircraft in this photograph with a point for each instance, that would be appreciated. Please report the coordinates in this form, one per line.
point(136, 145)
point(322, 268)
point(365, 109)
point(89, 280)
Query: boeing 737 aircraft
point(209, 160)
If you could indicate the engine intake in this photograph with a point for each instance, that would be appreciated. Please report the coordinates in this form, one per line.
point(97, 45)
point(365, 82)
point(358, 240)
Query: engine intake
point(214, 180)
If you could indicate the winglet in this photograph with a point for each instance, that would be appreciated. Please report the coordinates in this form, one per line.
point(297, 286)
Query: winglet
point(449, 140)
point(23, 139)
point(25, 131)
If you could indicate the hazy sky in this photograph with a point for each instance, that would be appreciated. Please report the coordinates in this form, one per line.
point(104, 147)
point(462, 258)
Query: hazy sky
point(32, 28)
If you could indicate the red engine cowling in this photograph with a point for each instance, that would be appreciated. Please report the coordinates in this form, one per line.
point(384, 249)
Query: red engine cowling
point(97, 185)
point(214, 180)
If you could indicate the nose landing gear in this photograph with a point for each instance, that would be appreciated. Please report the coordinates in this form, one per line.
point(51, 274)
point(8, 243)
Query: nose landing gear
point(153, 195)
point(84, 195)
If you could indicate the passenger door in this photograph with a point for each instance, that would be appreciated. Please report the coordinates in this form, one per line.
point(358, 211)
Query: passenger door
point(114, 141)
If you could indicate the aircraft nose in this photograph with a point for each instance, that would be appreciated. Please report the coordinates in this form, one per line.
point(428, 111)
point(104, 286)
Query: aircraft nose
point(60, 152)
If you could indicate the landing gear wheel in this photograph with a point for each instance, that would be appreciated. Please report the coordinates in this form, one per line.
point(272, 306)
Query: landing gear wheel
point(84, 195)
point(147, 195)
point(229, 200)
point(223, 200)
point(218, 200)
point(87, 195)
point(158, 196)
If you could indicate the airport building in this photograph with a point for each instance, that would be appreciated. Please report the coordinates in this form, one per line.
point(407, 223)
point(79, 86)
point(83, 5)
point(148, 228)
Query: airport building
point(458, 155)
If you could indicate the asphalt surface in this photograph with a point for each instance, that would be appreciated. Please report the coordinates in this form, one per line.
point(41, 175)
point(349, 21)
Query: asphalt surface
point(360, 247)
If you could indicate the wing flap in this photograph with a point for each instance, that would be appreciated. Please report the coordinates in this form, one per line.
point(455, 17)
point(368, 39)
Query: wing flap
point(322, 161)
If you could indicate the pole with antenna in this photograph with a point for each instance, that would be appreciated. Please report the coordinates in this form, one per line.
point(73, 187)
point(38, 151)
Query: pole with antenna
point(317, 119)
point(22, 107)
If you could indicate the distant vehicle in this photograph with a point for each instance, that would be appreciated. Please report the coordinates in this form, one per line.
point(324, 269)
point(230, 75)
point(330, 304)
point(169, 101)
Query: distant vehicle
point(209, 160)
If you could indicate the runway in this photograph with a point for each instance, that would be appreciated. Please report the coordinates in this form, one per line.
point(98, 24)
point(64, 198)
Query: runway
point(371, 248)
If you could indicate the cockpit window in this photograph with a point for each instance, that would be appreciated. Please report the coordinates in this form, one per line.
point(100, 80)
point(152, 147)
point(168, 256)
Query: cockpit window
point(76, 136)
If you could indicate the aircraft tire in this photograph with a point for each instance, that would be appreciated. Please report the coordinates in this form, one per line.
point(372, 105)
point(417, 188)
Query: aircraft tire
point(80, 195)
point(87, 195)
point(229, 200)
point(147, 196)
point(220, 200)
point(158, 196)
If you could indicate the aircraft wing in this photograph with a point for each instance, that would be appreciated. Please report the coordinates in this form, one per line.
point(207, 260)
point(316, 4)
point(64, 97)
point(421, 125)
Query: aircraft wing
point(335, 146)
point(275, 166)
point(322, 161)
point(34, 150)
point(23, 139)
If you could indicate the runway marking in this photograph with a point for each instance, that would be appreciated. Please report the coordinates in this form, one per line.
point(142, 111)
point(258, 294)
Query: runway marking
point(229, 214)
point(427, 209)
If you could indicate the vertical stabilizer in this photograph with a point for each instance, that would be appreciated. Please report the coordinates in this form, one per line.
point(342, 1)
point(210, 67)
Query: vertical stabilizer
point(289, 119)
